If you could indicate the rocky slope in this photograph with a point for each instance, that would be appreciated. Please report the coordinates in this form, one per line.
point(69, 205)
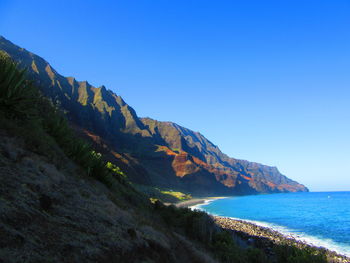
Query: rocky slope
point(50, 214)
point(156, 153)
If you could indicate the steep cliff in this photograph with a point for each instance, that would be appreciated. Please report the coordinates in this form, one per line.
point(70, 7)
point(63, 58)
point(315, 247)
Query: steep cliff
point(156, 153)
point(241, 175)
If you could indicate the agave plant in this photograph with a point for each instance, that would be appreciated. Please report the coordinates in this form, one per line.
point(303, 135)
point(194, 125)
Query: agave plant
point(17, 94)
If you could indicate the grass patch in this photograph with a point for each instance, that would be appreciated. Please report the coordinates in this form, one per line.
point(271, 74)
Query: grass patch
point(166, 196)
point(178, 195)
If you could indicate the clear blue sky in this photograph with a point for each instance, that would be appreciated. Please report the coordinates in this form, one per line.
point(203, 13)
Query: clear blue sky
point(267, 81)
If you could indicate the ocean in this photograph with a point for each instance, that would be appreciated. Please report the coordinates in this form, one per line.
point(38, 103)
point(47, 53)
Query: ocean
point(319, 218)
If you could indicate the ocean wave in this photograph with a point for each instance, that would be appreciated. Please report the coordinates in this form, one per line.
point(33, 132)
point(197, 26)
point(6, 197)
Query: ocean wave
point(205, 202)
point(299, 235)
point(296, 234)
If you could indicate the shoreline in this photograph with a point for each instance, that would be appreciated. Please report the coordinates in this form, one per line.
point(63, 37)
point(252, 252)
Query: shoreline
point(251, 234)
point(267, 238)
point(198, 201)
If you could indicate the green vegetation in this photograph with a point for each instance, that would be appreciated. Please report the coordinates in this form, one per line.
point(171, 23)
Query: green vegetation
point(166, 196)
point(292, 254)
point(17, 95)
point(180, 196)
point(228, 251)
point(177, 150)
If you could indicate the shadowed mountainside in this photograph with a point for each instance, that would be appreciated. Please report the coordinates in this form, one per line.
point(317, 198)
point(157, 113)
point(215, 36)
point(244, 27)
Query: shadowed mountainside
point(151, 152)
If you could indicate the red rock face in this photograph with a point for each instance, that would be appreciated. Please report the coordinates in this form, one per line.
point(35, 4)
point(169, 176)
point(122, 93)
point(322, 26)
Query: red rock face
point(272, 185)
point(166, 150)
point(185, 164)
point(246, 177)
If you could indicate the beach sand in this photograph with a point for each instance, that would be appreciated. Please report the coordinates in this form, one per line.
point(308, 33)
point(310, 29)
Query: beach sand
point(196, 201)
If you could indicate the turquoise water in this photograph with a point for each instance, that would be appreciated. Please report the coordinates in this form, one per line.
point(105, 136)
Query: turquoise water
point(322, 219)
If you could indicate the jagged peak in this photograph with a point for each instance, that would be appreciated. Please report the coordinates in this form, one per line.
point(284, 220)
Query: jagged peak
point(84, 84)
point(50, 71)
point(71, 80)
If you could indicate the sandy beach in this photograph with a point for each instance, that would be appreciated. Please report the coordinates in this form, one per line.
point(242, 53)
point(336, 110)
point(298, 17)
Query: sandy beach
point(197, 201)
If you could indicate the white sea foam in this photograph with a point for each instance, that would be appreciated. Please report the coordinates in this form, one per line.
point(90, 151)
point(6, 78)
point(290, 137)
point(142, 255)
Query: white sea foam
point(206, 202)
point(298, 235)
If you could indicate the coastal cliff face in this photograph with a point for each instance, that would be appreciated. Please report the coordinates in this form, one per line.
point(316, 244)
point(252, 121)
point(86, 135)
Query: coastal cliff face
point(151, 152)
point(193, 152)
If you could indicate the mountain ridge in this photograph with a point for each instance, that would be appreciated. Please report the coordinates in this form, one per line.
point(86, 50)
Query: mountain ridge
point(162, 154)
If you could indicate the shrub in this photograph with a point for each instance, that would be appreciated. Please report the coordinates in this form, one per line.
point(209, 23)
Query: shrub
point(291, 254)
point(18, 96)
point(225, 249)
